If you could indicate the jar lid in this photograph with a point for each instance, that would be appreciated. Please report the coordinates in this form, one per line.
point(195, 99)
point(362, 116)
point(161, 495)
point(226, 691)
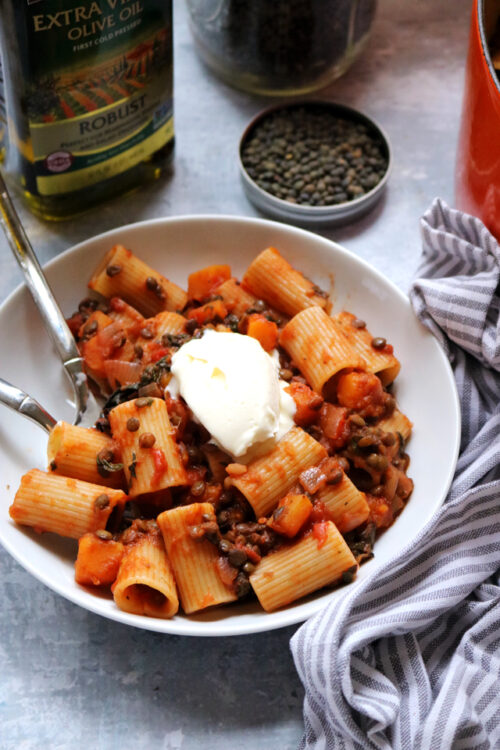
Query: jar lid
point(314, 162)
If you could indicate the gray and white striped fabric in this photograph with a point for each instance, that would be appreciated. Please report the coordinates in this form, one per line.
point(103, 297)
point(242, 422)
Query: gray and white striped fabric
point(410, 659)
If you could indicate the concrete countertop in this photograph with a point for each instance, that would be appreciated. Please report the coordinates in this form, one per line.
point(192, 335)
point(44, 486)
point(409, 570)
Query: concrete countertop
point(73, 679)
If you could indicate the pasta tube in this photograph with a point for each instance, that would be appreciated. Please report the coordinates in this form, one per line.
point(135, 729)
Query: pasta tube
point(270, 277)
point(269, 478)
point(346, 505)
point(318, 346)
point(122, 274)
point(236, 299)
point(318, 559)
point(380, 361)
point(68, 507)
point(194, 562)
point(145, 583)
point(83, 453)
point(150, 455)
point(397, 422)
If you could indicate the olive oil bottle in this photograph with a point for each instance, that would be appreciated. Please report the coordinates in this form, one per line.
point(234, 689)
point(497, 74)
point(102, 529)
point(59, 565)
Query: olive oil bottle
point(88, 98)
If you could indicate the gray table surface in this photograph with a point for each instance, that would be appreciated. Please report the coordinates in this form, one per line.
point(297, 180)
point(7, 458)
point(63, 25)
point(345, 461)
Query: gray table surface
point(72, 679)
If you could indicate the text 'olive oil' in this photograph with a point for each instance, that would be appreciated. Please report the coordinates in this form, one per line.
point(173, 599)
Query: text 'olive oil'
point(88, 98)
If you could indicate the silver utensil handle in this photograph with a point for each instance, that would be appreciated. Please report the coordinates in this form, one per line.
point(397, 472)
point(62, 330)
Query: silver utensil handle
point(44, 300)
point(21, 402)
point(37, 284)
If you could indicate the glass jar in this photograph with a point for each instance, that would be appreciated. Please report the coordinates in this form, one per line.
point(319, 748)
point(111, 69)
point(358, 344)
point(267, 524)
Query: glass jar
point(279, 47)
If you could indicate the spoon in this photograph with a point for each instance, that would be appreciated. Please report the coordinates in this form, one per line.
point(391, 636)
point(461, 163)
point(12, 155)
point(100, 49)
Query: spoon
point(87, 409)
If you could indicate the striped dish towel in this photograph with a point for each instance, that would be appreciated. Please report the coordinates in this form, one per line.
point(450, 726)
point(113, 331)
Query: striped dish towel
point(410, 659)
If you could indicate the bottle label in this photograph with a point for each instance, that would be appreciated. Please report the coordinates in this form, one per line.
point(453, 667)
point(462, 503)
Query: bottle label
point(99, 88)
point(3, 115)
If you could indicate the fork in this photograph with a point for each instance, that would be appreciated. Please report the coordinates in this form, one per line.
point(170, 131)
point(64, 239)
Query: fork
point(87, 408)
point(23, 403)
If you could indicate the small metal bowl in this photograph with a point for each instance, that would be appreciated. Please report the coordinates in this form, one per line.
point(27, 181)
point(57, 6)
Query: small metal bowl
point(340, 213)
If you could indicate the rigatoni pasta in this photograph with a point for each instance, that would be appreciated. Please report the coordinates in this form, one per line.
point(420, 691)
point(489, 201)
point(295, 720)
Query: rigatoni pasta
point(286, 499)
point(193, 557)
point(65, 506)
point(236, 299)
point(396, 422)
point(318, 347)
point(319, 559)
point(346, 505)
point(150, 455)
point(375, 352)
point(84, 453)
point(270, 477)
point(122, 274)
point(145, 583)
point(270, 277)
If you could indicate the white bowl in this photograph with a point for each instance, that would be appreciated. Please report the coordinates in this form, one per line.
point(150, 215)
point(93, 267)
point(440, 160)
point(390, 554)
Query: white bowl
point(425, 390)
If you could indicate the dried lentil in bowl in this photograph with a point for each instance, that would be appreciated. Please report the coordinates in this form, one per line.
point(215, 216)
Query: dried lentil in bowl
point(311, 156)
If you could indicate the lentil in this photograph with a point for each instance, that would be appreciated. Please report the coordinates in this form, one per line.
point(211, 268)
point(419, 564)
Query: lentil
point(195, 454)
point(357, 419)
point(225, 546)
point(388, 438)
point(286, 374)
point(154, 286)
point(191, 325)
point(140, 403)
point(101, 502)
point(90, 328)
point(233, 322)
point(88, 304)
point(198, 488)
point(151, 390)
point(242, 585)
point(258, 306)
point(237, 557)
point(118, 340)
point(367, 441)
point(379, 342)
point(335, 477)
point(377, 462)
point(196, 532)
point(147, 440)
point(104, 535)
point(113, 270)
point(325, 149)
point(133, 424)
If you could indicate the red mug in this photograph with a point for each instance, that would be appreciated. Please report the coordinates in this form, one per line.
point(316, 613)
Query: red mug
point(477, 172)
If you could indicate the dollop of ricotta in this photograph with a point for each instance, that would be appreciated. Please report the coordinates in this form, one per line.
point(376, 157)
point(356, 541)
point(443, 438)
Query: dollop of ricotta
point(232, 386)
